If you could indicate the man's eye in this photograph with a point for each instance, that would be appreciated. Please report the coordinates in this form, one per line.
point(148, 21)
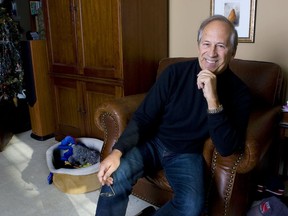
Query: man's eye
point(221, 46)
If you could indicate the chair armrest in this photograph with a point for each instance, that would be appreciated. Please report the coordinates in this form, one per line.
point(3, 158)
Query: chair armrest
point(113, 116)
point(261, 133)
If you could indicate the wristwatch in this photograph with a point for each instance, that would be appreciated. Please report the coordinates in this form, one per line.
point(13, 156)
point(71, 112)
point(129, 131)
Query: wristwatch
point(216, 110)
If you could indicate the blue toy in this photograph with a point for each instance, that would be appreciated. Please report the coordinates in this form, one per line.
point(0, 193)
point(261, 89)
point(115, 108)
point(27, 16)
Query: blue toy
point(66, 147)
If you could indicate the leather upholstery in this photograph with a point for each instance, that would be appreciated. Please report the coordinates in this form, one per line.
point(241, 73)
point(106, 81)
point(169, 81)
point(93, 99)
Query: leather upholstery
point(230, 180)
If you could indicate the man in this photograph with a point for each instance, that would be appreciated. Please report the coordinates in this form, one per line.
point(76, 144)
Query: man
point(190, 102)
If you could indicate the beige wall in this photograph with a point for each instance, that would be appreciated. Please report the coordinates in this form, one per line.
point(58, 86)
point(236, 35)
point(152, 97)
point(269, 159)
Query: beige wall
point(271, 32)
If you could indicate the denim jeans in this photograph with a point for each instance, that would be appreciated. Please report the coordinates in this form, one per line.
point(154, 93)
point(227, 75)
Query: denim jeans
point(184, 173)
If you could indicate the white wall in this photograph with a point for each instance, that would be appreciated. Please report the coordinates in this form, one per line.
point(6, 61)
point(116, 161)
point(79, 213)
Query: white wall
point(271, 30)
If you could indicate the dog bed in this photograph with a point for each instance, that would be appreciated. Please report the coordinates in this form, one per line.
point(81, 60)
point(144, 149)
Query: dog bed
point(76, 181)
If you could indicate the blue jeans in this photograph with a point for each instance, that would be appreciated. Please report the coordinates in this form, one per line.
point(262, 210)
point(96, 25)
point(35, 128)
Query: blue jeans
point(184, 173)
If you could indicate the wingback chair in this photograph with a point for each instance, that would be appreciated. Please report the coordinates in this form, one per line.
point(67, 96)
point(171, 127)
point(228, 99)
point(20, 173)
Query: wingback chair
point(230, 180)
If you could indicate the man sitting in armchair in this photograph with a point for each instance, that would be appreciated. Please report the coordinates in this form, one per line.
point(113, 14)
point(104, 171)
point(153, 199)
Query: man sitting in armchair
point(190, 102)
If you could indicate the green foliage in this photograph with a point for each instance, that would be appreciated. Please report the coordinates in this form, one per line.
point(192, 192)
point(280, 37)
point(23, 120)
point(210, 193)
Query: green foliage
point(11, 72)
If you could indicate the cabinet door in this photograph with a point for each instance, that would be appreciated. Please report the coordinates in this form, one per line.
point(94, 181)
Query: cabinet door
point(61, 17)
point(69, 109)
point(100, 38)
point(95, 94)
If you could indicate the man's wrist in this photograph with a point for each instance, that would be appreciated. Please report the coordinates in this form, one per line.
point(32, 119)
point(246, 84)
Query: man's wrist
point(213, 103)
point(117, 153)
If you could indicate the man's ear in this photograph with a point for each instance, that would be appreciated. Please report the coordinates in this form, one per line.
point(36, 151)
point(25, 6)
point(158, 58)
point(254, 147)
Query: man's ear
point(233, 54)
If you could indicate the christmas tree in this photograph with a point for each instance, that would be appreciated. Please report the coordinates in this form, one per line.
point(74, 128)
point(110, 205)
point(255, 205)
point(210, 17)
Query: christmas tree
point(11, 71)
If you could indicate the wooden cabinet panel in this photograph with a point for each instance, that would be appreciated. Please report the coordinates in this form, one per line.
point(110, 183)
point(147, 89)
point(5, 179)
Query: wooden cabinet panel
point(68, 107)
point(96, 94)
point(144, 42)
point(61, 31)
point(100, 35)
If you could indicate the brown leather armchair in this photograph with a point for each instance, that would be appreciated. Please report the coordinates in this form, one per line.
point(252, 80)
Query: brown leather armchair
point(230, 180)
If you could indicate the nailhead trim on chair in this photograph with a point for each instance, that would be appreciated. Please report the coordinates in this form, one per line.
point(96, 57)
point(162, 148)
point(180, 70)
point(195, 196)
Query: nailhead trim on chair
point(105, 129)
point(147, 200)
point(229, 187)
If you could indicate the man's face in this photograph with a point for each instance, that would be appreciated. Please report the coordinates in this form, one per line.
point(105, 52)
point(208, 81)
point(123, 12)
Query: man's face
point(215, 51)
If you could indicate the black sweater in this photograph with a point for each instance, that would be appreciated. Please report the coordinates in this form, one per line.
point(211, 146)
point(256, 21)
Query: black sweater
point(175, 111)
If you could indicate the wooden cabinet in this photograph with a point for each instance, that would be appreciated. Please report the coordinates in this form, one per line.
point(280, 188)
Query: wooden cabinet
point(100, 50)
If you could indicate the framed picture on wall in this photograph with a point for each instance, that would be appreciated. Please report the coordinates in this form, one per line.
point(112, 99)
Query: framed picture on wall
point(241, 13)
point(34, 7)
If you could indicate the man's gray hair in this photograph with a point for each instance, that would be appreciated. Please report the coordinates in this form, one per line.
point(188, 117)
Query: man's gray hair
point(233, 35)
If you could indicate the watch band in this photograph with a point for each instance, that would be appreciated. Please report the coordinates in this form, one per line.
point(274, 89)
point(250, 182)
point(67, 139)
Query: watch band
point(216, 110)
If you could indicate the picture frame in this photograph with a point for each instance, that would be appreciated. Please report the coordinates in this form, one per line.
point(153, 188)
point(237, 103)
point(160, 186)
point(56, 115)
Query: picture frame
point(241, 13)
point(34, 7)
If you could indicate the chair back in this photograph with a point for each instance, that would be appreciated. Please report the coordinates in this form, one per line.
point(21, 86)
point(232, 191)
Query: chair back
point(264, 79)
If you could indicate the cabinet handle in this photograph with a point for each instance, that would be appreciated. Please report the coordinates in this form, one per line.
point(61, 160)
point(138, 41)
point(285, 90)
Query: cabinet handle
point(82, 111)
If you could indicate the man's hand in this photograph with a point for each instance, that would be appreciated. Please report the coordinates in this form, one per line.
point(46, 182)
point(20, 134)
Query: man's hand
point(207, 81)
point(108, 166)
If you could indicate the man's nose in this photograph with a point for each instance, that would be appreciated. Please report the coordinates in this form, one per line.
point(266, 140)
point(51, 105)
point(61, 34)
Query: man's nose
point(213, 51)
